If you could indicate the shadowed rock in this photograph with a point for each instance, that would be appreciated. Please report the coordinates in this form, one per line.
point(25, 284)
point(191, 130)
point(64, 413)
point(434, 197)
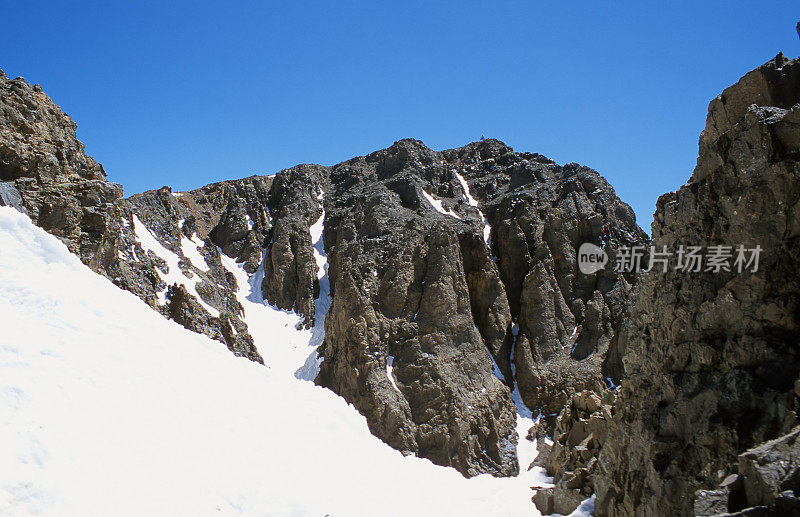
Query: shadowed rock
point(712, 358)
point(290, 271)
point(540, 213)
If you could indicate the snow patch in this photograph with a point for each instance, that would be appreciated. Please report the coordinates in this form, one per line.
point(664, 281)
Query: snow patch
point(191, 250)
point(389, 372)
point(174, 275)
point(487, 230)
point(319, 246)
point(526, 449)
point(279, 337)
point(437, 205)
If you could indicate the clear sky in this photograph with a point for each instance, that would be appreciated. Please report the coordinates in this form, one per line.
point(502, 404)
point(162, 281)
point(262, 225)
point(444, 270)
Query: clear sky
point(184, 94)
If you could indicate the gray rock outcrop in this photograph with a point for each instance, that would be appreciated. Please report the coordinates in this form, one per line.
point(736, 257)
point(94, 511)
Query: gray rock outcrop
point(45, 172)
point(229, 218)
point(581, 429)
point(290, 270)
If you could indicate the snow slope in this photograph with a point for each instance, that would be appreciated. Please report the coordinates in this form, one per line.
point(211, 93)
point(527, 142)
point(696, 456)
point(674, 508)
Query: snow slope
point(107, 408)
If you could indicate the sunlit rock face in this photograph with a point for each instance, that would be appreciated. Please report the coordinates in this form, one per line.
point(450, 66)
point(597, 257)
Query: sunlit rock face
point(443, 263)
point(45, 172)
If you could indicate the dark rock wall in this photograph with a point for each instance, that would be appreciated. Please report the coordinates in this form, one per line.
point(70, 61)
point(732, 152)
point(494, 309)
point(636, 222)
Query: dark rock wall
point(581, 429)
point(235, 215)
point(711, 359)
point(420, 288)
point(290, 270)
point(401, 304)
point(231, 216)
point(540, 213)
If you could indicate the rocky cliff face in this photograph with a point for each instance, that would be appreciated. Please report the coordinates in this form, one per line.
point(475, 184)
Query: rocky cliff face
point(447, 265)
point(45, 172)
point(290, 269)
point(711, 359)
point(453, 275)
point(171, 247)
point(540, 214)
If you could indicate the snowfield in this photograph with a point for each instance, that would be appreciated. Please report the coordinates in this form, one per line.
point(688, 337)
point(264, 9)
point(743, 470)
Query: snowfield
point(107, 408)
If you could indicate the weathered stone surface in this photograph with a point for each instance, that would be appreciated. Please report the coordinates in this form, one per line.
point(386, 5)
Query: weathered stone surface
point(235, 215)
point(557, 500)
point(290, 271)
point(400, 297)
point(771, 471)
point(206, 219)
point(766, 483)
point(540, 213)
point(44, 169)
point(45, 172)
point(712, 358)
point(415, 284)
point(37, 139)
point(710, 502)
point(10, 196)
point(579, 433)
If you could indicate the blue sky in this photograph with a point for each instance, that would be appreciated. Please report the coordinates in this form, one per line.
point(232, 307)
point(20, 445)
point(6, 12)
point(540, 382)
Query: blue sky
point(184, 94)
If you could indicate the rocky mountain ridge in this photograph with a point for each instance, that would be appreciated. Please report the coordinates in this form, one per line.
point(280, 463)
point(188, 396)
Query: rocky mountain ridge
point(439, 263)
point(456, 298)
point(704, 422)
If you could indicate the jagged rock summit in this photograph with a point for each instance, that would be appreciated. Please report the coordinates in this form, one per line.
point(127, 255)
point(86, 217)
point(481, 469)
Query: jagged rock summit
point(453, 276)
point(445, 266)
